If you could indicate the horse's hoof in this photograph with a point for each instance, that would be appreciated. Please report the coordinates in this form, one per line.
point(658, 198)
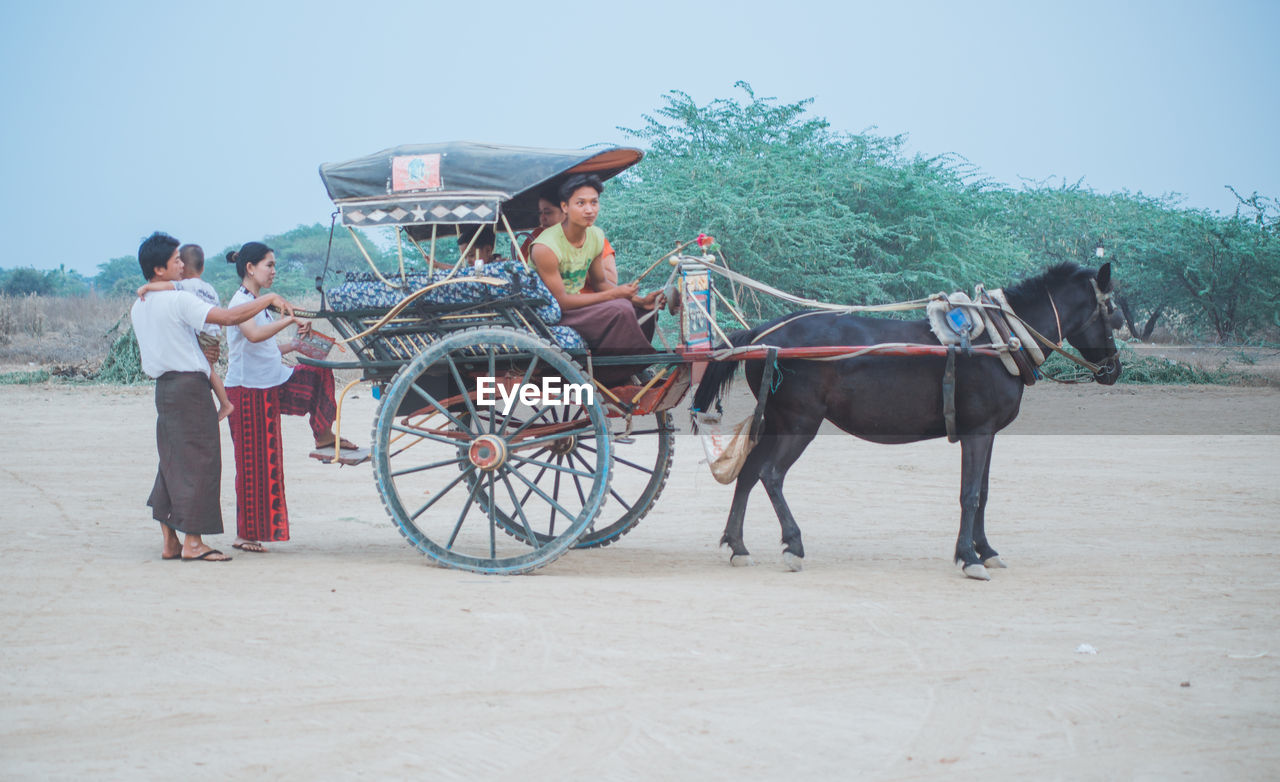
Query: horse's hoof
point(994, 562)
point(976, 571)
point(794, 564)
point(741, 560)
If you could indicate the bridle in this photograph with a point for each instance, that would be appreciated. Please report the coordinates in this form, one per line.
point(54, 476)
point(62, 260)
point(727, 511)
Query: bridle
point(1057, 319)
point(1104, 310)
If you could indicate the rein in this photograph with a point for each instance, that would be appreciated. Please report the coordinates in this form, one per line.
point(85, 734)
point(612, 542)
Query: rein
point(993, 308)
point(1093, 368)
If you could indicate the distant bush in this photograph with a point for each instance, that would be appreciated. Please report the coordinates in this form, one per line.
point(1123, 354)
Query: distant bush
point(24, 378)
point(1138, 369)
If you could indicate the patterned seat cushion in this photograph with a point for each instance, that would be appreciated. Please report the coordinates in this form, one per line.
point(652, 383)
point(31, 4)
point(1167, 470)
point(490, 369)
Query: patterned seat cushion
point(363, 290)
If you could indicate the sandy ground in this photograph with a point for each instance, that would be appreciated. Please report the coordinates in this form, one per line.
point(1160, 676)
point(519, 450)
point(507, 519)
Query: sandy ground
point(1141, 522)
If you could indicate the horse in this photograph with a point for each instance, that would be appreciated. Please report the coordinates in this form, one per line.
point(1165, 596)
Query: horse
point(898, 399)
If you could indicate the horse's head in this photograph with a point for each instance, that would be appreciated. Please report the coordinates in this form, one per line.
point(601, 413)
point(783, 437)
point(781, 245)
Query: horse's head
point(1088, 320)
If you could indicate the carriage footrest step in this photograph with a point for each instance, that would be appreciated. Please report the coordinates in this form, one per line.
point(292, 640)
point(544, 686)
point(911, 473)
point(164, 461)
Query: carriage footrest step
point(347, 455)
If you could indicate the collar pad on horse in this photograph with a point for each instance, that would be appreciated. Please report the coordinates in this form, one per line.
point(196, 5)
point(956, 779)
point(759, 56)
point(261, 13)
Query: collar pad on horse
point(1006, 338)
point(938, 310)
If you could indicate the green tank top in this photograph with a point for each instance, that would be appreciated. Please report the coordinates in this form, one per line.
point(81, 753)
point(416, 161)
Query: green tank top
point(574, 261)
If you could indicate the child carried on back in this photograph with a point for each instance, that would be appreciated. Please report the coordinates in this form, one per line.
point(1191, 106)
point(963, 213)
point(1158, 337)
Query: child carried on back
point(192, 257)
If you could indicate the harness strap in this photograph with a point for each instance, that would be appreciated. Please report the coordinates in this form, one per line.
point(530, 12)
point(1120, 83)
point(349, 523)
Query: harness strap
point(769, 290)
point(785, 322)
point(1015, 323)
point(949, 394)
point(1057, 320)
point(1042, 339)
point(762, 395)
point(997, 341)
point(1089, 365)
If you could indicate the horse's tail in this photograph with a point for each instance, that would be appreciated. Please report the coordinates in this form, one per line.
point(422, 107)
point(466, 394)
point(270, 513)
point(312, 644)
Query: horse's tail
point(715, 381)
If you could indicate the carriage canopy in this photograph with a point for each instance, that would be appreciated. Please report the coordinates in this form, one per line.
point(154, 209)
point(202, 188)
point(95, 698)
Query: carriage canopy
point(459, 182)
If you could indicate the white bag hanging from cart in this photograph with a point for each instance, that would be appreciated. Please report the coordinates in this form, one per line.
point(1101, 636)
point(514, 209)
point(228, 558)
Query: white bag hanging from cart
point(725, 444)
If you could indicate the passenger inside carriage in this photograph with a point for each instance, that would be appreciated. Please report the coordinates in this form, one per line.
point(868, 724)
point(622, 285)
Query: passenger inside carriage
point(481, 246)
point(569, 257)
point(549, 214)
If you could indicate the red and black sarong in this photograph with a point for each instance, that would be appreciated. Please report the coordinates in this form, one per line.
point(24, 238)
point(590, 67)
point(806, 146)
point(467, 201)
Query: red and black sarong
point(261, 511)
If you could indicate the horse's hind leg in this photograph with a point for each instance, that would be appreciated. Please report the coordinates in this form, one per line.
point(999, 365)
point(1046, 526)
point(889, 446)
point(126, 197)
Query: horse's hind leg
point(975, 459)
point(788, 449)
point(989, 556)
point(747, 478)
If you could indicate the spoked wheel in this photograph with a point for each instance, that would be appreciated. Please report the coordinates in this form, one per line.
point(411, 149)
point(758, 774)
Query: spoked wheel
point(640, 465)
point(455, 475)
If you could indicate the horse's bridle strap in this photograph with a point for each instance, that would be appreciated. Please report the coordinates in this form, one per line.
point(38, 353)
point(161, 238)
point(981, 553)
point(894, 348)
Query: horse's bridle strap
point(1087, 364)
point(990, 310)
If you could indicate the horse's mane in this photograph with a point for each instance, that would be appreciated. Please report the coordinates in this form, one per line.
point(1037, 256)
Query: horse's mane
point(1053, 277)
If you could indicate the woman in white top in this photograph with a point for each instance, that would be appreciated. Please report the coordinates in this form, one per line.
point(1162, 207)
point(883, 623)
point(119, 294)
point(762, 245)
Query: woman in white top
point(262, 389)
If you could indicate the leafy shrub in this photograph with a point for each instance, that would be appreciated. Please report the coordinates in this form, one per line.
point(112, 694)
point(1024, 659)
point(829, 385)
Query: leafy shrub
point(123, 364)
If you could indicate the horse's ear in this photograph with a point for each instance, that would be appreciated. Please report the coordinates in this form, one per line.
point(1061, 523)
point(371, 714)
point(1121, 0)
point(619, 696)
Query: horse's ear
point(1104, 277)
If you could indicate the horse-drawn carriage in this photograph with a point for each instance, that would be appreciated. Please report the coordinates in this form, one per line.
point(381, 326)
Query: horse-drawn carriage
point(494, 447)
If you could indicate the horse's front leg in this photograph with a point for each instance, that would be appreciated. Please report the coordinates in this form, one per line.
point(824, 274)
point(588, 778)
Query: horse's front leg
point(975, 458)
point(990, 557)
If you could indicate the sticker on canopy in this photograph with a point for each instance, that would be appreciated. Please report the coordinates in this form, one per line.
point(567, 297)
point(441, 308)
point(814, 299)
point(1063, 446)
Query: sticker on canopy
point(415, 172)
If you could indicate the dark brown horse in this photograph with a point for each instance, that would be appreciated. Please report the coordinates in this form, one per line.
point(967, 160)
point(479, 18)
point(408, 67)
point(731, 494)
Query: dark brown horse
point(898, 399)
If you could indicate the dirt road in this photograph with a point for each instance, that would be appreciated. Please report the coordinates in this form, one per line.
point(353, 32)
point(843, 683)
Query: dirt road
point(1151, 538)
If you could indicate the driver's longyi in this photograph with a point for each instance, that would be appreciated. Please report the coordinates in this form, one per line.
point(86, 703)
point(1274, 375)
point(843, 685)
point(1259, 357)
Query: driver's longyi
point(569, 256)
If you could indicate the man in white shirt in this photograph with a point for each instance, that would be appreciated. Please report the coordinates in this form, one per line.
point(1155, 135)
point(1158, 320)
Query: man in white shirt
point(185, 497)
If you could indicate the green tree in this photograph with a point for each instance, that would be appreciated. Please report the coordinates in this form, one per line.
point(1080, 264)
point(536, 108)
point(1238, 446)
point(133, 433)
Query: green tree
point(64, 282)
point(1231, 268)
point(832, 216)
point(300, 258)
point(118, 276)
point(1202, 274)
point(25, 281)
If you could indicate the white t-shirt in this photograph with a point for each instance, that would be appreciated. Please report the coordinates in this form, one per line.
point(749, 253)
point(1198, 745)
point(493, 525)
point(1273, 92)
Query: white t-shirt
point(253, 364)
point(165, 324)
point(206, 292)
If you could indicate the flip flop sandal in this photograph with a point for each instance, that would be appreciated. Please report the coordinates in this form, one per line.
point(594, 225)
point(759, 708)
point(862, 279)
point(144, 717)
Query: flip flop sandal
point(345, 456)
point(252, 546)
point(205, 557)
point(347, 445)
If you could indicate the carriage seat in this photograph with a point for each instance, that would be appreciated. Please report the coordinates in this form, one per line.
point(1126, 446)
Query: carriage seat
point(363, 290)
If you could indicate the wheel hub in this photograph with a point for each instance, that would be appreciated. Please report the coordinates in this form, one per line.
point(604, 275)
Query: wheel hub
point(564, 445)
point(488, 452)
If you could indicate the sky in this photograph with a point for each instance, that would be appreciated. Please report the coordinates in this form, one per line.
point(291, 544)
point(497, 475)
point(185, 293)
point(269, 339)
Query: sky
point(209, 121)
